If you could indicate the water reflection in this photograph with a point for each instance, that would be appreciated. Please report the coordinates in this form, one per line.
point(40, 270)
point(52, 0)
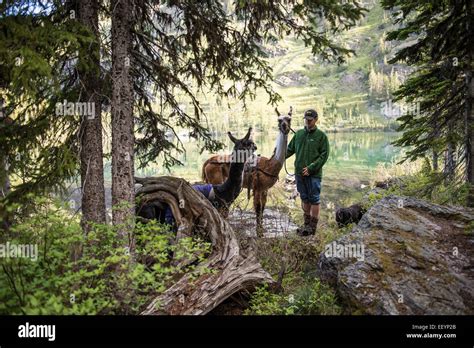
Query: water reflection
point(361, 149)
point(351, 154)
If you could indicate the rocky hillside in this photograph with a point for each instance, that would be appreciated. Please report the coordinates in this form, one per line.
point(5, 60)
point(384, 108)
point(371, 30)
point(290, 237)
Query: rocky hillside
point(348, 97)
point(351, 95)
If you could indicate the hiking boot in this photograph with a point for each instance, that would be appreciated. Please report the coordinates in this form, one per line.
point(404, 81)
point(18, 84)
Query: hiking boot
point(313, 224)
point(302, 230)
point(310, 229)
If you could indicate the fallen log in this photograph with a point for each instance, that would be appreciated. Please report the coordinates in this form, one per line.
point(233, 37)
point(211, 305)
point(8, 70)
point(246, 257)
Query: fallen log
point(234, 269)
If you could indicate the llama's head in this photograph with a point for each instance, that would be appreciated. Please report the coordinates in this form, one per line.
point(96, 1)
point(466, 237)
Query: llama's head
point(284, 122)
point(243, 148)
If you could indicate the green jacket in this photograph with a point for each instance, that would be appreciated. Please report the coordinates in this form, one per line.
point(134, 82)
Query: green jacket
point(311, 149)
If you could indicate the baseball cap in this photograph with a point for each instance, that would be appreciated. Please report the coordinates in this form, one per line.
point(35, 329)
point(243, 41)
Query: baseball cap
point(310, 114)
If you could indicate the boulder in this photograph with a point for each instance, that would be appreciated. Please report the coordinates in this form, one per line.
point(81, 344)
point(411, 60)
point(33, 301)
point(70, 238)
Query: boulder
point(405, 256)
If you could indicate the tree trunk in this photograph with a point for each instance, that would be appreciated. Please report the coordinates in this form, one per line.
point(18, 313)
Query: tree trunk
point(4, 179)
point(5, 121)
point(91, 153)
point(122, 121)
point(435, 160)
point(435, 155)
point(235, 268)
point(4, 185)
point(470, 112)
point(449, 162)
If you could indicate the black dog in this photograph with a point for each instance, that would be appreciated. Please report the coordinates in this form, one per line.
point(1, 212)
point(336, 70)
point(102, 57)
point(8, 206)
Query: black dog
point(345, 216)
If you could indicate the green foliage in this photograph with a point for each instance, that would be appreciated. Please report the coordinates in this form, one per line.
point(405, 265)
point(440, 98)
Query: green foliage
point(381, 85)
point(426, 184)
point(264, 302)
point(310, 298)
point(435, 35)
point(374, 197)
point(315, 297)
point(77, 274)
point(39, 45)
point(432, 186)
point(292, 250)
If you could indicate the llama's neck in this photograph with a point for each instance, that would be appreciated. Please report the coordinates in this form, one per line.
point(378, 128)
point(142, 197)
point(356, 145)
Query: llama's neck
point(279, 153)
point(230, 189)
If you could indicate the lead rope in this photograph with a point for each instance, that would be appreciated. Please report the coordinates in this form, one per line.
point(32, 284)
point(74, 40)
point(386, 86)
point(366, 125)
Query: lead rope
point(286, 170)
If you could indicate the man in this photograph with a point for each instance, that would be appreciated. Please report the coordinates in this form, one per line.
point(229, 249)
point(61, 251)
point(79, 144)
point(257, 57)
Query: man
point(311, 147)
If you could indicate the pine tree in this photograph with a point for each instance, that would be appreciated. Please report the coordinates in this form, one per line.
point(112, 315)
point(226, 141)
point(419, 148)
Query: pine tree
point(442, 82)
point(38, 47)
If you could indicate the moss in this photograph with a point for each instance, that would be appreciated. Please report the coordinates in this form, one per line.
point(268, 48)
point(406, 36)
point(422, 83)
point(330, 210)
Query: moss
point(469, 230)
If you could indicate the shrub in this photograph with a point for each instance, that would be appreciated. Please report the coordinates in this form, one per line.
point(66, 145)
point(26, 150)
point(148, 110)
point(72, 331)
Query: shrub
point(310, 298)
point(93, 274)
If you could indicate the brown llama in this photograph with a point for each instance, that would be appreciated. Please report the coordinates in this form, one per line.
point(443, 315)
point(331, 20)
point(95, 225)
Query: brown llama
point(259, 175)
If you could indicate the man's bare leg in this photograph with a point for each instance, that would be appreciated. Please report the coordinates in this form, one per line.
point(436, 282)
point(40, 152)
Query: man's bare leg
point(314, 210)
point(306, 208)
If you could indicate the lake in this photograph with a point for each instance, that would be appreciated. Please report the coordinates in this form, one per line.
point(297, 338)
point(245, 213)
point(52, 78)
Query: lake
point(353, 159)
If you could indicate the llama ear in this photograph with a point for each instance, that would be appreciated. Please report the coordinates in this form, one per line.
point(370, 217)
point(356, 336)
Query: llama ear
point(248, 134)
point(231, 137)
point(290, 112)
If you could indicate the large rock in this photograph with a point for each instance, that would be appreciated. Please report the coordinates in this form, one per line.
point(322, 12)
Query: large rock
point(418, 258)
